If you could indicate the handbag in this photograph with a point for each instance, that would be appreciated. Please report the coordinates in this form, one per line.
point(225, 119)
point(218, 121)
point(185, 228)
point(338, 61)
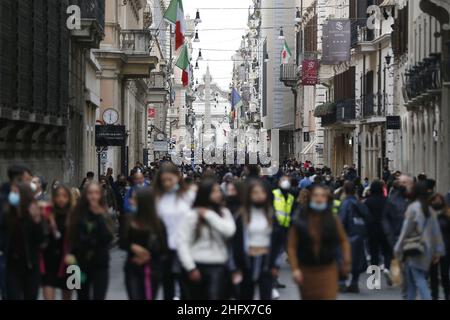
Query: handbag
point(414, 245)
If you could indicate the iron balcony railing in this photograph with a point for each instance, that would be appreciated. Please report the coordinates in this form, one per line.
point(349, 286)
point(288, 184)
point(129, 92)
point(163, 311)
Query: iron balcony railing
point(425, 76)
point(92, 10)
point(135, 41)
point(345, 110)
point(288, 72)
point(373, 105)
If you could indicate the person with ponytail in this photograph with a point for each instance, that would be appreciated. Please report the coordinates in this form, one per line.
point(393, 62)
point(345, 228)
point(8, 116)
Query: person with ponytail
point(202, 243)
point(144, 239)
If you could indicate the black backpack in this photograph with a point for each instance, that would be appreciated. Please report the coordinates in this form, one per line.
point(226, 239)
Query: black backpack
point(357, 219)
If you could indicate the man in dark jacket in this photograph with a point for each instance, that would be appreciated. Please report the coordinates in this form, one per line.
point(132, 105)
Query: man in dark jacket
point(394, 211)
point(377, 240)
point(354, 216)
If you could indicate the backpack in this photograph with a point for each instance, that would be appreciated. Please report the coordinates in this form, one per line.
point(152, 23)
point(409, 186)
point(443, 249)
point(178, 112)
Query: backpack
point(357, 219)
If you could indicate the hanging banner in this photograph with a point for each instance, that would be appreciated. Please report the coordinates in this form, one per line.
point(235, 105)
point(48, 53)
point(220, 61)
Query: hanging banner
point(310, 72)
point(336, 42)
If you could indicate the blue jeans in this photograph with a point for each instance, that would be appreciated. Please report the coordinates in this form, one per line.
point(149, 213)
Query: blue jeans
point(416, 281)
point(2, 277)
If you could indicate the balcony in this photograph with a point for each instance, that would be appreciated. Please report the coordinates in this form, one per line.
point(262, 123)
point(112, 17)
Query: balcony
point(327, 112)
point(373, 105)
point(92, 23)
point(139, 60)
point(289, 74)
point(345, 110)
point(425, 79)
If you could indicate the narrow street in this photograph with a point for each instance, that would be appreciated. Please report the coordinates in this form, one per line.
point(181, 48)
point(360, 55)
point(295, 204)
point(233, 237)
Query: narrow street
point(117, 290)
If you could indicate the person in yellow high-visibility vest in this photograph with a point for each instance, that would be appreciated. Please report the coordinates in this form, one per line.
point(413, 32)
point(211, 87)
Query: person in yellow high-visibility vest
point(283, 203)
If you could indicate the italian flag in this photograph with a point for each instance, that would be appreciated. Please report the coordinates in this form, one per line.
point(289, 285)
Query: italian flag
point(183, 64)
point(286, 54)
point(175, 16)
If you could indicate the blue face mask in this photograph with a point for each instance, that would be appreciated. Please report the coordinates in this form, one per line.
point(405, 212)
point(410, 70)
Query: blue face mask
point(133, 209)
point(14, 199)
point(318, 207)
point(176, 188)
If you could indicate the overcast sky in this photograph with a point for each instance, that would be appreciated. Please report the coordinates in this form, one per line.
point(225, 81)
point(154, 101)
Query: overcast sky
point(218, 39)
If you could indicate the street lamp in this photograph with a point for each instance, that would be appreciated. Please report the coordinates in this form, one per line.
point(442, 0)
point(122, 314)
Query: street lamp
point(298, 16)
point(388, 59)
point(197, 17)
point(196, 66)
point(200, 56)
point(196, 38)
point(281, 36)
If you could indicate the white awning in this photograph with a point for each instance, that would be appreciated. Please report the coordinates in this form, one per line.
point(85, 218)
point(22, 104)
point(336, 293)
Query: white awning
point(308, 147)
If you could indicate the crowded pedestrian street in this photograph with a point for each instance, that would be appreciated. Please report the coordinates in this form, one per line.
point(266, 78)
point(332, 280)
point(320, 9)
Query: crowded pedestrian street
point(224, 152)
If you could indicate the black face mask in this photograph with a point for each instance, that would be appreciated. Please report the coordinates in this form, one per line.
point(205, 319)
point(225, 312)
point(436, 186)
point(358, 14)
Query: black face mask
point(401, 190)
point(232, 199)
point(259, 205)
point(437, 206)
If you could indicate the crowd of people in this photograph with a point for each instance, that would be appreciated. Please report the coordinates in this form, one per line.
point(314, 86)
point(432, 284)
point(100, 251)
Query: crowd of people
point(200, 232)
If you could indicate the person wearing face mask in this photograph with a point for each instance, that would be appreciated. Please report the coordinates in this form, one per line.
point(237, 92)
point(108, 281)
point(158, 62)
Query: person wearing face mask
point(16, 174)
point(138, 183)
point(284, 205)
point(440, 272)
point(24, 234)
point(315, 237)
point(145, 241)
point(173, 203)
point(233, 198)
point(254, 251)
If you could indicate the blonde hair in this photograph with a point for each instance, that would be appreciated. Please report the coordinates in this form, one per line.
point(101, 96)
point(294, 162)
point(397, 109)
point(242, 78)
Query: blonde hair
point(76, 194)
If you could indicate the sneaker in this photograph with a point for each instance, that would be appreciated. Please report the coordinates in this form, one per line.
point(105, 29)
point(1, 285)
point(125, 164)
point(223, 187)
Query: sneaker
point(275, 294)
point(387, 275)
point(353, 288)
point(279, 285)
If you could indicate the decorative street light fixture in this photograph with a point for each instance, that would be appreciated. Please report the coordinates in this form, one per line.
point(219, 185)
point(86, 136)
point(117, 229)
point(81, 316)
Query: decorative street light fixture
point(281, 36)
point(298, 16)
point(196, 38)
point(200, 56)
point(197, 17)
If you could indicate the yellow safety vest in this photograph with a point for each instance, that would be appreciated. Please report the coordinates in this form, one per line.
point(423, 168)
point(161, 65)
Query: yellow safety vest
point(283, 207)
point(336, 206)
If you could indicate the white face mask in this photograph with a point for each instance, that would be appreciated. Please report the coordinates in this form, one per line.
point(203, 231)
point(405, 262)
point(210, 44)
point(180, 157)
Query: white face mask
point(33, 187)
point(285, 184)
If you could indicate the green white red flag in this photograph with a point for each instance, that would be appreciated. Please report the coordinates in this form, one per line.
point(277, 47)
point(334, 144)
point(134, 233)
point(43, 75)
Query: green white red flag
point(175, 16)
point(184, 65)
point(286, 54)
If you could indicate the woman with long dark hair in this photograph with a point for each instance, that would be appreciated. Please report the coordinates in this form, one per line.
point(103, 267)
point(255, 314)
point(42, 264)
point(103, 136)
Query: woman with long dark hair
point(202, 246)
point(314, 240)
point(174, 202)
point(144, 239)
point(420, 243)
point(54, 273)
point(24, 236)
point(90, 239)
point(253, 253)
